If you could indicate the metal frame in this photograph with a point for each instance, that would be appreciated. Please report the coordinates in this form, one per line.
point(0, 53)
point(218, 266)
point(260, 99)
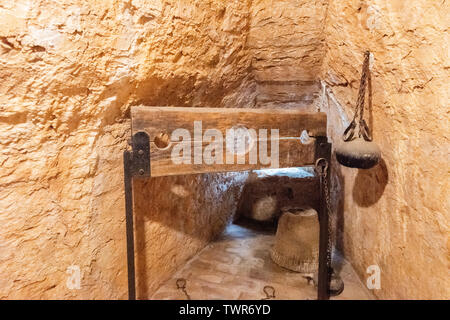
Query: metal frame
point(136, 163)
point(323, 150)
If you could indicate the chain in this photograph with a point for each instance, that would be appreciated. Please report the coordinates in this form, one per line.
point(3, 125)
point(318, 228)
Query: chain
point(270, 293)
point(323, 180)
point(363, 129)
point(328, 202)
point(181, 285)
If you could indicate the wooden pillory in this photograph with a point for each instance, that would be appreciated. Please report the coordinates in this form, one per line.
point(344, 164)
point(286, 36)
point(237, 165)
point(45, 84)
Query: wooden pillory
point(153, 143)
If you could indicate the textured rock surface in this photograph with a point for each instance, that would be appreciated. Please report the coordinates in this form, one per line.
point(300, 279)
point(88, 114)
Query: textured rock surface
point(264, 209)
point(286, 43)
point(264, 196)
point(396, 214)
point(70, 70)
point(286, 39)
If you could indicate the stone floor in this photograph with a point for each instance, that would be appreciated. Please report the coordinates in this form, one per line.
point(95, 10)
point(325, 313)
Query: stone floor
point(237, 266)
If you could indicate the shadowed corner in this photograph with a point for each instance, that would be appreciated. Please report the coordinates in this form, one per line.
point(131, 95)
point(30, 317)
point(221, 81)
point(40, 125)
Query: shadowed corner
point(338, 198)
point(164, 213)
point(370, 184)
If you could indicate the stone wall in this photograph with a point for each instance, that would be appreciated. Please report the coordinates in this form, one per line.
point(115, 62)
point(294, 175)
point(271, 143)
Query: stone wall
point(396, 214)
point(286, 44)
point(70, 71)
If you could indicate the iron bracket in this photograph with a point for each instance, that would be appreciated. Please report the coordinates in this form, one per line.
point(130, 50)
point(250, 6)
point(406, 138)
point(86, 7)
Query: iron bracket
point(136, 163)
point(323, 150)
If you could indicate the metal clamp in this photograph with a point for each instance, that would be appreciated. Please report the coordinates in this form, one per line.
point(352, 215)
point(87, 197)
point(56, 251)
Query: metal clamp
point(140, 155)
point(323, 157)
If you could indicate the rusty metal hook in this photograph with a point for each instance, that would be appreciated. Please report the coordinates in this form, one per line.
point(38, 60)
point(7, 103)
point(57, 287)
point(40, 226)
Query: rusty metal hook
point(321, 166)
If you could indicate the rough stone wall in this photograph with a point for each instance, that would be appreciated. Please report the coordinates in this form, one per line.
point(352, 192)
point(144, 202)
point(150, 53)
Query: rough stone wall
point(286, 43)
point(70, 70)
point(396, 214)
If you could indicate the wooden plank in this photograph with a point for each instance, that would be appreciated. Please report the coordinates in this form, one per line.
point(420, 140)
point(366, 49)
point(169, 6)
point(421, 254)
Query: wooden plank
point(165, 158)
point(291, 153)
point(290, 123)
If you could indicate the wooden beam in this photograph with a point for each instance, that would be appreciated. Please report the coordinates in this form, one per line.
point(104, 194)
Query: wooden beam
point(290, 123)
point(291, 153)
point(162, 121)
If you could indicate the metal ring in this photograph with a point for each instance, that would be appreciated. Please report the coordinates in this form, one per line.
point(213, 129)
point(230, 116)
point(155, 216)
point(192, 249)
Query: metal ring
point(364, 130)
point(350, 131)
point(324, 166)
point(269, 294)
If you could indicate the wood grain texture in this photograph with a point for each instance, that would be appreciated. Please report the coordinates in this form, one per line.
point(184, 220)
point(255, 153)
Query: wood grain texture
point(196, 158)
point(292, 153)
point(290, 123)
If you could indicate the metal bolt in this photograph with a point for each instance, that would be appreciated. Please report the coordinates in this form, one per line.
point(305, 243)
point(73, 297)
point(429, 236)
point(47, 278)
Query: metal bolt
point(141, 152)
point(141, 171)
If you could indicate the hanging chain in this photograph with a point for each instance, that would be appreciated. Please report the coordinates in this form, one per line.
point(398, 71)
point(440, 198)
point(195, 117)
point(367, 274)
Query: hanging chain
point(181, 285)
point(269, 290)
point(322, 169)
point(359, 108)
point(328, 202)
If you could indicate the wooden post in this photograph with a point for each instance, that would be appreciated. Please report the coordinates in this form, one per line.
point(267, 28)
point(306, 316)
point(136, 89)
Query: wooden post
point(128, 185)
point(323, 150)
